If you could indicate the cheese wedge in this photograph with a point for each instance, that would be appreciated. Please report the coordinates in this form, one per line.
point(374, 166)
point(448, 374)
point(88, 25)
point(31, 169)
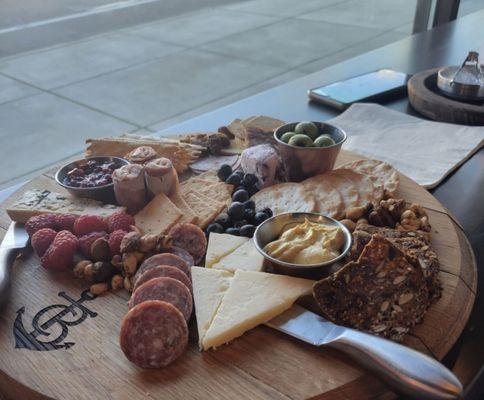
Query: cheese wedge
point(244, 257)
point(220, 245)
point(252, 299)
point(209, 287)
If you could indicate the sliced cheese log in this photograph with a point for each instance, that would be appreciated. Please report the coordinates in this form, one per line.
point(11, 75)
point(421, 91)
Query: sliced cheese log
point(209, 287)
point(220, 245)
point(252, 299)
point(245, 257)
point(158, 216)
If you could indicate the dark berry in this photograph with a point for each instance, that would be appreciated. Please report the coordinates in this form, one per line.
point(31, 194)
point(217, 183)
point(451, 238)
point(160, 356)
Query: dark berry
point(240, 173)
point(239, 188)
point(241, 223)
point(260, 217)
point(249, 214)
point(249, 180)
point(224, 220)
point(268, 212)
point(233, 231)
point(224, 172)
point(233, 179)
point(247, 231)
point(236, 211)
point(217, 228)
point(240, 195)
point(252, 190)
point(249, 204)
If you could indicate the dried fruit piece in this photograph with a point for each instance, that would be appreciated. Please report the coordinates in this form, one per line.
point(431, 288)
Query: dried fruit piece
point(42, 239)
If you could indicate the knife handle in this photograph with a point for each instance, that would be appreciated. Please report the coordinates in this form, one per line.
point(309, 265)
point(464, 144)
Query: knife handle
point(407, 371)
point(7, 257)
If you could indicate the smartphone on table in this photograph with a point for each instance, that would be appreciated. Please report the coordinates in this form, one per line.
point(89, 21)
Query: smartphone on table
point(367, 87)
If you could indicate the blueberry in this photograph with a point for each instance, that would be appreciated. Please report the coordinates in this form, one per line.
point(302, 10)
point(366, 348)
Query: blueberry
point(233, 179)
point(241, 223)
point(268, 212)
point(247, 231)
point(249, 214)
point(233, 231)
point(260, 217)
point(224, 172)
point(239, 173)
point(249, 180)
point(249, 204)
point(215, 227)
point(236, 211)
point(252, 190)
point(240, 195)
point(239, 188)
point(223, 219)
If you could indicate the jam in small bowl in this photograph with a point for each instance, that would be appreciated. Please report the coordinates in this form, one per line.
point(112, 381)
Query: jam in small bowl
point(90, 177)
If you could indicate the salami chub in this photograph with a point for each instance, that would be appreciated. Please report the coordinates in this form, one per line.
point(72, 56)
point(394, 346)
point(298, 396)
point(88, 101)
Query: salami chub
point(161, 271)
point(153, 334)
point(165, 289)
point(190, 238)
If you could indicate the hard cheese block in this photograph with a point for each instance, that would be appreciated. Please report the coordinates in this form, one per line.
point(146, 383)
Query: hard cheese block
point(245, 257)
point(159, 215)
point(252, 299)
point(209, 287)
point(220, 245)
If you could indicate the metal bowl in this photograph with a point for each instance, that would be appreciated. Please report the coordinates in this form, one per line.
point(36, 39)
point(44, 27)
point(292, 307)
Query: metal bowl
point(104, 193)
point(271, 229)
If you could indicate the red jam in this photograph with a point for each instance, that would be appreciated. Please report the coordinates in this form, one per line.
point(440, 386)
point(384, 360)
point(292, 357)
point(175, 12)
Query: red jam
point(91, 173)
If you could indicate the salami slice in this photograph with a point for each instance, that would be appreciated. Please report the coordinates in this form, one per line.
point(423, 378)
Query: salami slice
point(163, 259)
point(153, 334)
point(191, 238)
point(164, 289)
point(160, 271)
point(178, 251)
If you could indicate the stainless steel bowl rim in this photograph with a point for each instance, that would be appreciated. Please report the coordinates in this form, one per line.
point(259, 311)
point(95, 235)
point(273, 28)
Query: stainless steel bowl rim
point(346, 248)
point(345, 136)
point(81, 189)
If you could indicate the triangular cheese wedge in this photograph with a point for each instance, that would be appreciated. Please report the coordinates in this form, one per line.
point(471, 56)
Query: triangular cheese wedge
point(245, 257)
point(252, 299)
point(209, 286)
point(220, 245)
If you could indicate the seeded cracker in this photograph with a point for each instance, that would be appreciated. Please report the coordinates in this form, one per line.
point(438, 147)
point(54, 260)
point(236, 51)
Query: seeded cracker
point(381, 292)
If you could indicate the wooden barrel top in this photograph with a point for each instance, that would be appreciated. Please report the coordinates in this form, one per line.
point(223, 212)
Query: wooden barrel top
point(87, 362)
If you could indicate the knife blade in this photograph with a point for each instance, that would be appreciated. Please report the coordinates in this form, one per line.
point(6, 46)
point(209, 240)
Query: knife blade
point(15, 239)
point(407, 371)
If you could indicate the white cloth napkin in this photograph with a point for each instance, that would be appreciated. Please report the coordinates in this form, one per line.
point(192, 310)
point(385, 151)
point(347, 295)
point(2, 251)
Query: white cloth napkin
point(426, 151)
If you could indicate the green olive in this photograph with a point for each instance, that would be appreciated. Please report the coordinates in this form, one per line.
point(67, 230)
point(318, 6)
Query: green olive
point(307, 128)
point(301, 141)
point(324, 141)
point(287, 136)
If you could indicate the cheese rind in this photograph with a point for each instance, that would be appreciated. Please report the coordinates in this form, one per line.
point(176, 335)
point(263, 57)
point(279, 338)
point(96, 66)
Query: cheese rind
point(209, 287)
point(220, 245)
point(245, 257)
point(252, 299)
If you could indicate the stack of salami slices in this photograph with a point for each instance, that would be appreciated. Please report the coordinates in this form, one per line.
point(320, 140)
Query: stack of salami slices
point(154, 332)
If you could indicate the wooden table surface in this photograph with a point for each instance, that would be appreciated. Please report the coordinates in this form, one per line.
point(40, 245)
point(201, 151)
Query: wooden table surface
point(462, 193)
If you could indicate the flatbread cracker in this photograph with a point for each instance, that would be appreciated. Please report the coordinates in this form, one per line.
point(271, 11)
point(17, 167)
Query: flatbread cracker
point(328, 199)
point(188, 216)
point(345, 187)
point(368, 191)
point(218, 191)
point(285, 197)
point(384, 174)
point(205, 208)
point(158, 216)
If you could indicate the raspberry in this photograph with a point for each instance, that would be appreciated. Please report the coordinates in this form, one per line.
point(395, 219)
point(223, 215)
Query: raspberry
point(38, 222)
point(65, 222)
point(89, 223)
point(120, 220)
point(115, 241)
point(60, 253)
point(86, 241)
point(42, 239)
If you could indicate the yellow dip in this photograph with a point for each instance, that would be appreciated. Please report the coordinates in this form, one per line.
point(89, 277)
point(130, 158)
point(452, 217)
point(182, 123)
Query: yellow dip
point(307, 243)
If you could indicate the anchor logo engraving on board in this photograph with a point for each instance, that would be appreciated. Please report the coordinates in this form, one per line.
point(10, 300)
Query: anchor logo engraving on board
point(42, 329)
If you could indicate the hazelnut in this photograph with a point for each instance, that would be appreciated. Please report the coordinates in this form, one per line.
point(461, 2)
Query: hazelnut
point(98, 288)
point(130, 242)
point(148, 243)
point(117, 262)
point(130, 262)
point(80, 267)
point(117, 282)
point(349, 224)
point(128, 285)
point(100, 250)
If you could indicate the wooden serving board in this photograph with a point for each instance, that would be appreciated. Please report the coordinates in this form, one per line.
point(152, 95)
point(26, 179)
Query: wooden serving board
point(81, 357)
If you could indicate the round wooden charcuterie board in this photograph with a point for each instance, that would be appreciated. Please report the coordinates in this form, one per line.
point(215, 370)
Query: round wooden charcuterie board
point(57, 341)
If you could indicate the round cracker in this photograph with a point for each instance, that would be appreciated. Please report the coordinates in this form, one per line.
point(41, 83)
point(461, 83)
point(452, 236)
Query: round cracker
point(347, 189)
point(384, 174)
point(368, 191)
point(328, 199)
point(285, 197)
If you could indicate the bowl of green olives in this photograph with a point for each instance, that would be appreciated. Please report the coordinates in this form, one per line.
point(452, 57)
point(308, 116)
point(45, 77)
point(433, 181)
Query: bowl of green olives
point(308, 148)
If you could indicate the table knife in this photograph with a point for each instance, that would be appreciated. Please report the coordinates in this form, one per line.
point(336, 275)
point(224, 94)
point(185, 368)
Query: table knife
point(407, 371)
point(15, 240)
